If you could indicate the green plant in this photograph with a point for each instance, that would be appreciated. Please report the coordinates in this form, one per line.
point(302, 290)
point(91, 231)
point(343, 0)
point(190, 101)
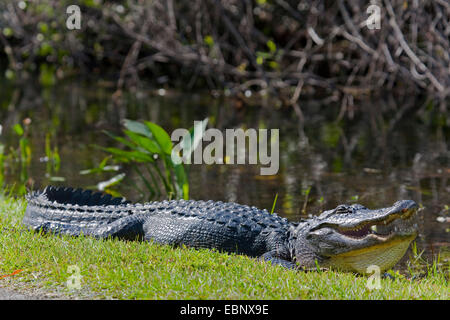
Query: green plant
point(53, 160)
point(147, 147)
point(17, 159)
point(418, 266)
point(305, 192)
point(274, 203)
point(24, 150)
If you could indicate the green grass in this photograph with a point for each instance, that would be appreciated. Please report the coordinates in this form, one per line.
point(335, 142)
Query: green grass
point(139, 270)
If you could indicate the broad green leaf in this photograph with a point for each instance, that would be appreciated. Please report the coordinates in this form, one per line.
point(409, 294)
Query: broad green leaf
point(138, 127)
point(161, 136)
point(146, 143)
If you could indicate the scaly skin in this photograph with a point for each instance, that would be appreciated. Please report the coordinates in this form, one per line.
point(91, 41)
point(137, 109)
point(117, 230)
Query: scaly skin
point(330, 239)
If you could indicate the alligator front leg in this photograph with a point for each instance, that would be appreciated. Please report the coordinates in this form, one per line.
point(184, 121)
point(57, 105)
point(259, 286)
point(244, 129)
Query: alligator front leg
point(275, 258)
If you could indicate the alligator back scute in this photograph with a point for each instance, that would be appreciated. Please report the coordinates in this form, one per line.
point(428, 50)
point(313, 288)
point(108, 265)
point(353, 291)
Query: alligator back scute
point(80, 197)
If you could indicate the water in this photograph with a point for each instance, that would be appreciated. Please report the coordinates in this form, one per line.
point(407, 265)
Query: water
point(388, 150)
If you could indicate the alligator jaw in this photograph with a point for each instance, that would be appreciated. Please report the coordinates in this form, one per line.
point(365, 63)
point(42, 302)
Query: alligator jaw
point(382, 229)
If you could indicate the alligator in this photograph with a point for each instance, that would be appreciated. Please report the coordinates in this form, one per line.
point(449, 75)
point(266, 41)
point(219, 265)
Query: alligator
point(349, 238)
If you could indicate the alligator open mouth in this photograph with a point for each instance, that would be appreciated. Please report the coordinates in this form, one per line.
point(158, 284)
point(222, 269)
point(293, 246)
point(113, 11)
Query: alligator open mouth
point(381, 241)
point(394, 224)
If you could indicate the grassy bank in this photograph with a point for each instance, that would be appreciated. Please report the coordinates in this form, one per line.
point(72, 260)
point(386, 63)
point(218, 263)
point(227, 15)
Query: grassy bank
point(134, 270)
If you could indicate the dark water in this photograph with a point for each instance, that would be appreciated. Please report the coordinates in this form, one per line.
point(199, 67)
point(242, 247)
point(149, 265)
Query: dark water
point(376, 154)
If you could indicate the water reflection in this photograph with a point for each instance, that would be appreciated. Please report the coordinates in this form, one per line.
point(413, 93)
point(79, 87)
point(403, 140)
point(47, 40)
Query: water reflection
point(389, 150)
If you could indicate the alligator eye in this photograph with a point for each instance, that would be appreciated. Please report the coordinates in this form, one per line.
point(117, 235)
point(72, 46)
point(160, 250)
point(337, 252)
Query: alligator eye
point(342, 209)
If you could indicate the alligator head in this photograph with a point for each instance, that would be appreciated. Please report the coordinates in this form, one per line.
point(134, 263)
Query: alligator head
point(352, 237)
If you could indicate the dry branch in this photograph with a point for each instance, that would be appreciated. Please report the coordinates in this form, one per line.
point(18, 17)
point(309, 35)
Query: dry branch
point(291, 48)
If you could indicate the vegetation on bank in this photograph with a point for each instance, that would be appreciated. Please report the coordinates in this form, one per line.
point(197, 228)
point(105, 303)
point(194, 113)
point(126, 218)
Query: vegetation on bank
point(16, 156)
point(139, 270)
point(145, 146)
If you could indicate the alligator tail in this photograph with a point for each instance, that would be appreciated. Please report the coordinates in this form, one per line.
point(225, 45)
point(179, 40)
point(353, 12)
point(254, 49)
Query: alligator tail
point(76, 211)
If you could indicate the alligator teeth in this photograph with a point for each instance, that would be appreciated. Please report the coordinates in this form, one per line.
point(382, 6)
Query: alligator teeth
point(374, 228)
